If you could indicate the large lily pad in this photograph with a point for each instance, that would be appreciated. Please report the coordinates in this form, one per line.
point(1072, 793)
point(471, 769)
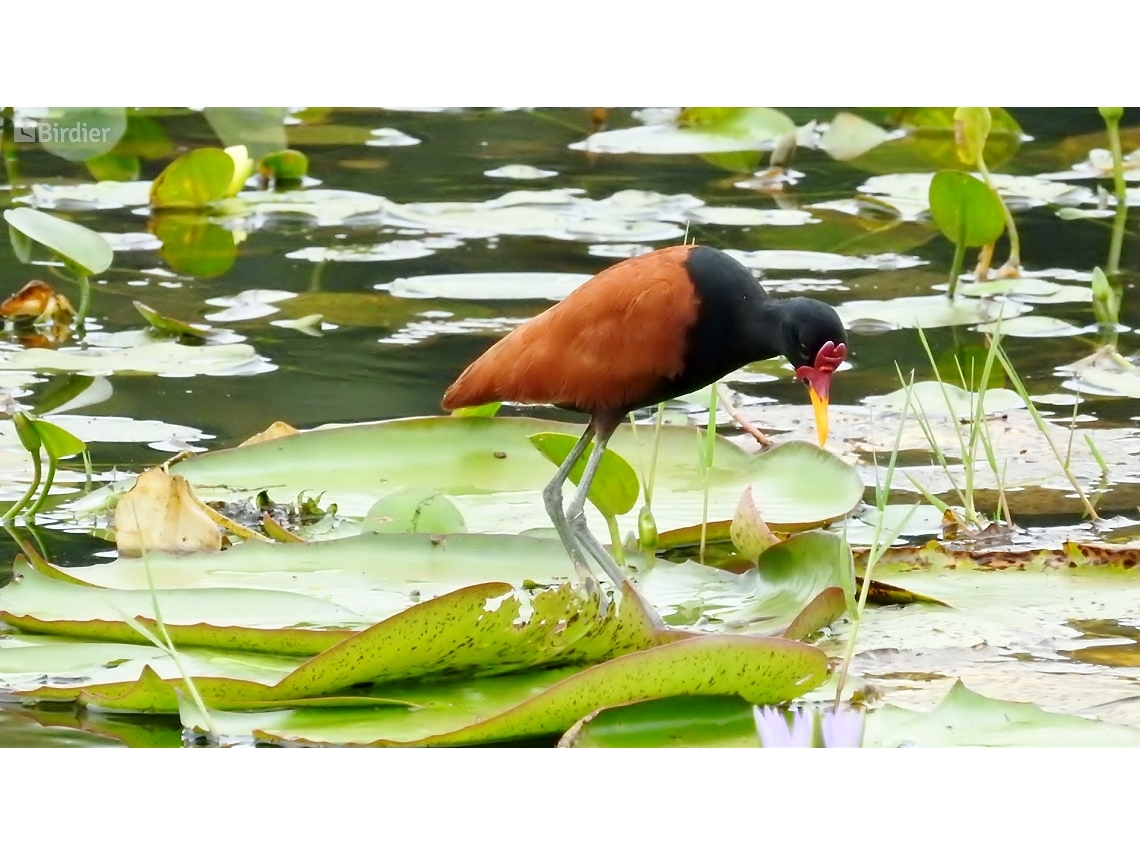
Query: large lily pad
point(529, 706)
point(489, 468)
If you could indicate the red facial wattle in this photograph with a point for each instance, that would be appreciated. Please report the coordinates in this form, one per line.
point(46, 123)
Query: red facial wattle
point(818, 380)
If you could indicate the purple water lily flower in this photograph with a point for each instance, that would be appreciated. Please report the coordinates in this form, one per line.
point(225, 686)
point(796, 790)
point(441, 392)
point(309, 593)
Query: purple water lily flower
point(842, 728)
point(774, 732)
point(838, 728)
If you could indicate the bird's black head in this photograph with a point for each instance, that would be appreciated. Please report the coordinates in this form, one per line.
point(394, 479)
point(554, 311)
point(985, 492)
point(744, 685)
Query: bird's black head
point(806, 326)
point(815, 342)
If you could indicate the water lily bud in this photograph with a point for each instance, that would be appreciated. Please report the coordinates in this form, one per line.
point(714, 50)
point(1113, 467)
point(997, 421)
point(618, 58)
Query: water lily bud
point(647, 530)
point(1111, 114)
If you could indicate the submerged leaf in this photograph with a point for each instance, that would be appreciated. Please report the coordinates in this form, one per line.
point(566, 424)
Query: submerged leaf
point(414, 509)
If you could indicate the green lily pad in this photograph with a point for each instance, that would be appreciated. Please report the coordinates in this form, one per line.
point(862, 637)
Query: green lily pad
point(677, 722)
point(513, 708)
point(785, 484)
point(1017, 286)
point(171, 326)
point(967, 211)
point(194, 180)
point(87, 249)
point(488, 467)
point(615, 488)
point(259, 621)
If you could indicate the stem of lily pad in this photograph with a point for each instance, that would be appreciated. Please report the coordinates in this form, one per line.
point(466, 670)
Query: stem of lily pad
point(1013, 265)
point(1112, 122)
point(7, 145)
point(1117, 242)
point(84, 300)
point(35, 509)
point(615, 541)
point(27, 497)
point(956, 267)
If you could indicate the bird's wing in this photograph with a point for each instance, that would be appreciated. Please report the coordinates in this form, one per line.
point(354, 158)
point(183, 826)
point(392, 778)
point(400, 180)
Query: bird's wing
point(606, 346)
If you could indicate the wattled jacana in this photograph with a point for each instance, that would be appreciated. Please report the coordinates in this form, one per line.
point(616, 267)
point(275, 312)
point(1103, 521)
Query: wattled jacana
point(640, 332)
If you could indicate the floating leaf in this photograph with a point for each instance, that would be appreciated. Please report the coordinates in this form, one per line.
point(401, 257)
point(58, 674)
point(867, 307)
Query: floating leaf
point(520, 172)
point(967, 211)
point(86, 249)
point(170, 326)
point(486, 286)
point(166, 358)
point(194, 180)
point(848, 136)
point(967, 718)
point(929, 397)
point(787, 479)
point(615, 487)
point(927, 312)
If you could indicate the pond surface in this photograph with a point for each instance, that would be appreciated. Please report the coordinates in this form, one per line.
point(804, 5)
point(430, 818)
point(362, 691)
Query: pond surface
point(389, 344)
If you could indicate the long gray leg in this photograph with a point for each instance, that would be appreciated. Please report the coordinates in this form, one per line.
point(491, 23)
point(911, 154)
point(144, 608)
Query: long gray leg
point(552, 496)
point(576, 513)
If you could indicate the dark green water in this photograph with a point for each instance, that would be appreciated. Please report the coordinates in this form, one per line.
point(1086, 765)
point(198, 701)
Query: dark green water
point(350, 374)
